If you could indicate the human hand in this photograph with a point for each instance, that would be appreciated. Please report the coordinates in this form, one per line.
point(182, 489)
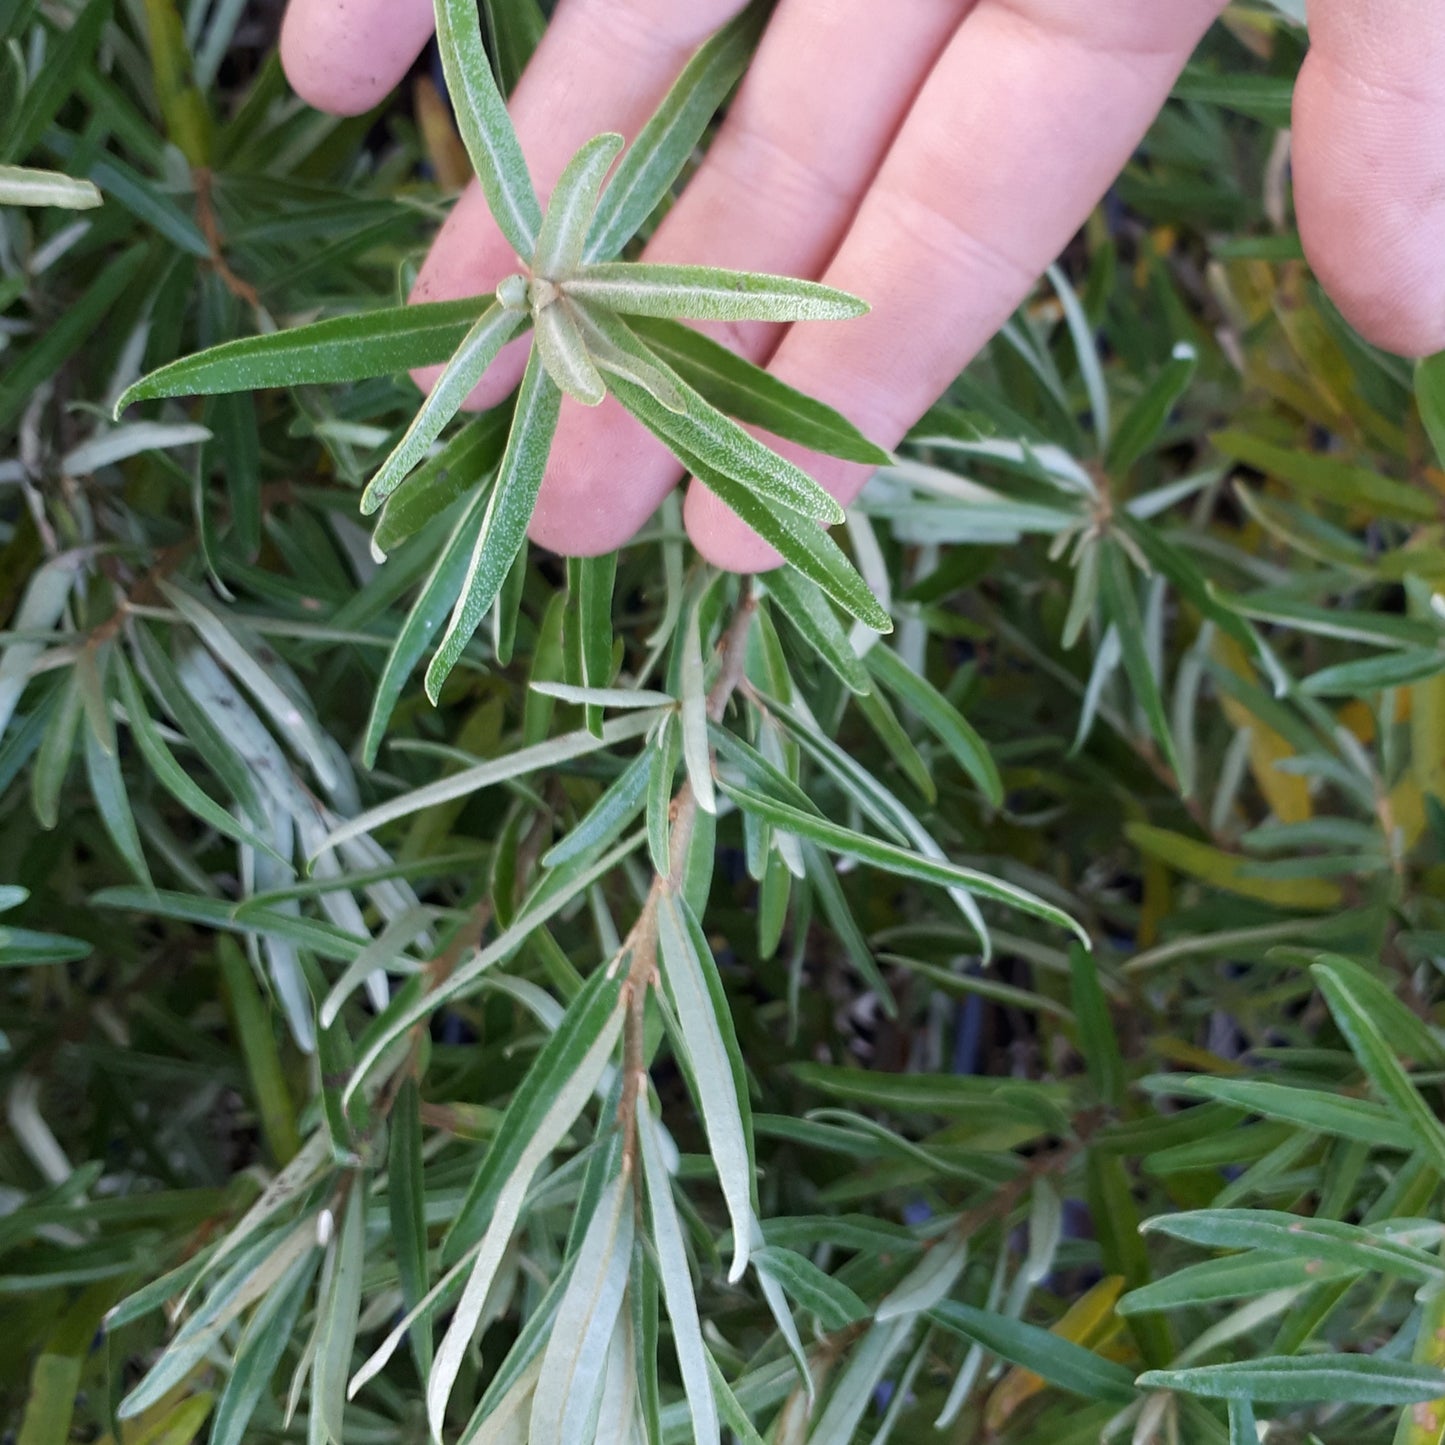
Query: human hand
point(935, 162)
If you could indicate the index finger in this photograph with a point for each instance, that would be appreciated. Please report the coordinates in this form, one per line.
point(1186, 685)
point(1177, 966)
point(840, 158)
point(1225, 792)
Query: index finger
point(1369, 164)
point(344, 56)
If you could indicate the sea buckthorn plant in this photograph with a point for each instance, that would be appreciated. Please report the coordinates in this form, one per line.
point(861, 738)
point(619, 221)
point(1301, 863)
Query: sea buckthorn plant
point(978, 982)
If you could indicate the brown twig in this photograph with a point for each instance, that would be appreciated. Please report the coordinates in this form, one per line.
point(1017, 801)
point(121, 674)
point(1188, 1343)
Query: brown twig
point(211, 230)
point(641, 943)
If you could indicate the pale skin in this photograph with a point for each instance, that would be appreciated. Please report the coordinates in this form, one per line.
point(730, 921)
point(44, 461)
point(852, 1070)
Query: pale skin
point(933, 156)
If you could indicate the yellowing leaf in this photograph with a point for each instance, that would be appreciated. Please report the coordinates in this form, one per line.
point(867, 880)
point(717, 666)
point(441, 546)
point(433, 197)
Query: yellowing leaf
point(1084, 1323)
point(1227, 871)
point(1286, 793)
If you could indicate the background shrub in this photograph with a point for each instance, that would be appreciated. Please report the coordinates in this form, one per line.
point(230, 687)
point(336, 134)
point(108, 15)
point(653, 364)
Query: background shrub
point(1022, 1024)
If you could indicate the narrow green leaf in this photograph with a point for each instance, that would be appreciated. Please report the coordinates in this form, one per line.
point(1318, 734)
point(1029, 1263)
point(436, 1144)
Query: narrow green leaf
point(1242, 1427)
point(591, 1019)
point(1059, 1361)
point(345, 348)
point(612, 812)
point(1098, 1040)
point(1361, 1247)
point(485, 126)
point(629, 365)
point(516, 28)
point(1144, 422)
point(24, 186)
point(1306, 1379)
point(901, 862)
point(801, 602)
point(573, 203)
point(504, 526)
point(707, 293)
point(406, 1205)
point(940, 717)
point(437, 597)
point(263, 1342)
point(338, 1312)
point(572, 1369)
point(170, 774)
point(929, 1281)
point(57, 749)
point(750, 394)
point(666, 143)
point(696, 753)
point(464, 462)
point(493, 329)
point(258, 1047)
point(1430, 394)
point(73, 329)
point(1370, 1046)
point(704, 435)
point(1312, 1109)
point(705, 1035)
point(1372, 674)
point(1122, 607)
point(801, 542)
point(676, 1279)
point(68, 51)
point(541, 1112)
point(1344, 483)
point(829, 1300)
point(1237, 1277)
point(564, 353)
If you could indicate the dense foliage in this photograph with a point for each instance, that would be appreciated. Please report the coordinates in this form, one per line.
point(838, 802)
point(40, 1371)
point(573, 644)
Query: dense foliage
point(715, 1016)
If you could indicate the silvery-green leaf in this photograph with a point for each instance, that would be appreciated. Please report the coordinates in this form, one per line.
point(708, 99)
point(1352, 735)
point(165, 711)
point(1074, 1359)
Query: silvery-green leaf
point(677, 1286)
point(612, 812)
point(129, 440)
point(572, 1369)
point(564, 354)
point(561, 888)
point(901, 861)
point(550, 754)
point(507, 1423)
point(702, 437)
point(666, 143)
point(708, 293)
point(1306, 1379)
point(259, 1352)
point(617, 1412)
point(384, 953)
point(437, 597)
point(630, 364)
point(338, 1311)
point(777, 1303)
point(802, 603)
point(485, 126)
point(695, 751)
point(343, 348)
point(712, 1069)
point(853, 1392)
point(260, 1266)
point(494, 328)
point(565, 1080)
point(626, 698)
point(752, 394)
point(25, 186)
point(504, 527)
point(1087, 353)
point(41, 609)
point(929, 1281)
point(572, 206)
point(297, 722)
point(800, 541)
